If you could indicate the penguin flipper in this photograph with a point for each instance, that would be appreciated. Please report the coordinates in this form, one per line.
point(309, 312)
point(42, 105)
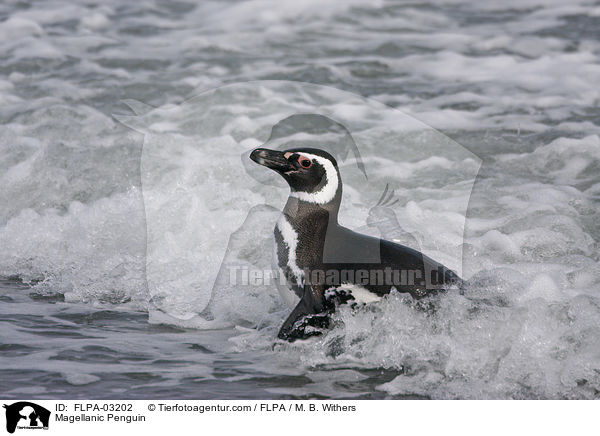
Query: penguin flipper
point(307, 319)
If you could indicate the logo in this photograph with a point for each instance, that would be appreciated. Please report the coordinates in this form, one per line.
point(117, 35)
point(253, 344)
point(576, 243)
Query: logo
point(383, 153)
point(26, 415)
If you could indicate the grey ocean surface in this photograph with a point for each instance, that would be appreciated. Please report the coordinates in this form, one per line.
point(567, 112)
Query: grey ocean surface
point(514, 82)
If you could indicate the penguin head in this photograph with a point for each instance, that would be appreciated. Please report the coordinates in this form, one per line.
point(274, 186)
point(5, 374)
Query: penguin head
point(312, 174)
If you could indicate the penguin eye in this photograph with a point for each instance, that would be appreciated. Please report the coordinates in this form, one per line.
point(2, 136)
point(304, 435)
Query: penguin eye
point(304, 161)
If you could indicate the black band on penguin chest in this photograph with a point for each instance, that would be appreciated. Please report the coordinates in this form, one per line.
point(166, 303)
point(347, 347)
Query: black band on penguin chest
point(310, 223)
point(311, 239)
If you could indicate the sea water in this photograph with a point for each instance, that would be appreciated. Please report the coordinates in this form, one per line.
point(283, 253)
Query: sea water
point(97, 300)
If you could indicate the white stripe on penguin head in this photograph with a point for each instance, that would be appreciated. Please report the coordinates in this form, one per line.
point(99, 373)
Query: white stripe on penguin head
point(328, 191)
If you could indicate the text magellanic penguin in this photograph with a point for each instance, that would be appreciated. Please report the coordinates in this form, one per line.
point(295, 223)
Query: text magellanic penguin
point(326, 264)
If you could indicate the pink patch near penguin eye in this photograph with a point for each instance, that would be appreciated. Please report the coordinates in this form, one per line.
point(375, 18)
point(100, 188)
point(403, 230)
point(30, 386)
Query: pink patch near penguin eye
point(304, 162)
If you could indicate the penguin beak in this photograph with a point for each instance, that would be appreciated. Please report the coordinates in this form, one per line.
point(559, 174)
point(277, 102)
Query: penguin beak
point(273, 159)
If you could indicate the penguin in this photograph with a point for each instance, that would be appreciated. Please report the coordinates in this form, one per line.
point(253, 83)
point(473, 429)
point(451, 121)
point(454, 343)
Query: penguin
point(325, 264)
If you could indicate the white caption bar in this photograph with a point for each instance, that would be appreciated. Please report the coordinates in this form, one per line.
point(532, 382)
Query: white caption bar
point(161, 417)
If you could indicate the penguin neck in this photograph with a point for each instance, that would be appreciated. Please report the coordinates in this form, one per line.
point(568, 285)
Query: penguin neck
point(300, 210)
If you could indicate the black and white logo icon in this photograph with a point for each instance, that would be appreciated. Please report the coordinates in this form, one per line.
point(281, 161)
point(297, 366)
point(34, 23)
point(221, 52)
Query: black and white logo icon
point(26, 415)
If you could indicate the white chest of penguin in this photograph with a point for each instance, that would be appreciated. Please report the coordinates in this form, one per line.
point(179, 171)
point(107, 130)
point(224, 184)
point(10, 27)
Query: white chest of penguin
point(290, 241)
point(285, 256)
